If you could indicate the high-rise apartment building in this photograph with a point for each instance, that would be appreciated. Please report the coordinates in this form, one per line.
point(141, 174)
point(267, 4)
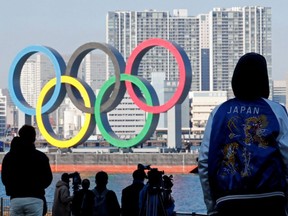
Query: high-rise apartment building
point(36, 72)
point(126, 29)
point(234, 32)
point(213, 42)
point(11, 114)
point(204, 52)
point(3, 113)
point(30, 81)
point(279, 92)
point(93, 70)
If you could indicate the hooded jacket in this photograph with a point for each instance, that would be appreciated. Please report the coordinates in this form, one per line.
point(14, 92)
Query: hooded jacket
point(25, 171)
point(62, 200)
point(243, 154)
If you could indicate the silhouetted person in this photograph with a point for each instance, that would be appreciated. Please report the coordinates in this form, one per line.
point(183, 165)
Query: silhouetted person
point(168, 200)
point(26, 173)
point(105, 202)
point(155, 198)
point(62, 198)
point(83, 200)
point(243, 158)
point(130, 194)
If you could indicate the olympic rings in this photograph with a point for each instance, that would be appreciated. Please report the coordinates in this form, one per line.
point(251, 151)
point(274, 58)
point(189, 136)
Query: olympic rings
point(109, 96)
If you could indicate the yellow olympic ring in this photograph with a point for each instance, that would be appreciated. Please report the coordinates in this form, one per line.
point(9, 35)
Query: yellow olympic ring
point(39, 119)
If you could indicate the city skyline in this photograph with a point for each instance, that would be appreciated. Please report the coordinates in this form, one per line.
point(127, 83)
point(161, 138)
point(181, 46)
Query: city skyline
point(213, 42)
point(66, 25)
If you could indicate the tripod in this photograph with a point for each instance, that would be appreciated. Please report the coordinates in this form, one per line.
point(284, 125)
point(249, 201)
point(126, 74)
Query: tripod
point(153, 204)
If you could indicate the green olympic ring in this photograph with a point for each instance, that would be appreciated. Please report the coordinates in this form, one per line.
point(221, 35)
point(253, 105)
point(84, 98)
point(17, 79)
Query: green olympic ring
point(101, 117)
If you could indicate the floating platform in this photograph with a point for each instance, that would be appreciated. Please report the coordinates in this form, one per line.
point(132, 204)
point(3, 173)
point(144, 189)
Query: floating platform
point(172, 163)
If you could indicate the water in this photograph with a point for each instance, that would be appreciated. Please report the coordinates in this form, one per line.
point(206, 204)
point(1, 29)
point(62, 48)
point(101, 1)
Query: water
point(186, 191)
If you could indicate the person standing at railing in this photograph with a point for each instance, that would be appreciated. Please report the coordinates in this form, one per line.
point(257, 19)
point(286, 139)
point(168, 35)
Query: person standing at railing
point(62, 199)
point(130, 194)
point(105, 200)
point(83, 200)
point(26, 173)
point(243, 160)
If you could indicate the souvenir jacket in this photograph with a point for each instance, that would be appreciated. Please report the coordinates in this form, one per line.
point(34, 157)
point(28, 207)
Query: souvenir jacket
point(244, 152)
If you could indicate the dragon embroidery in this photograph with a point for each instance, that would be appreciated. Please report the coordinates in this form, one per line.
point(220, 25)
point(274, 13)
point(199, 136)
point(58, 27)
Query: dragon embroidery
point(254, 130)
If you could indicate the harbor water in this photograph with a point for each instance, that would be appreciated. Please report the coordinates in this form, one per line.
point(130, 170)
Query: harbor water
point(186, 191)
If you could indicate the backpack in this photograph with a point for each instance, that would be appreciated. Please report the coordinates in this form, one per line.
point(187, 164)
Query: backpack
point(100, 203)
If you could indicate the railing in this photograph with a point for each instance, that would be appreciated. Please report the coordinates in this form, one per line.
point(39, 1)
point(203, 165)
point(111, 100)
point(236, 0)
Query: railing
point(5, 207)
point(189, 214)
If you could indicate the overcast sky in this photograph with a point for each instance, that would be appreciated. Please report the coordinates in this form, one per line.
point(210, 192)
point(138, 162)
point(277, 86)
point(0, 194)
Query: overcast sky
point(66, 24)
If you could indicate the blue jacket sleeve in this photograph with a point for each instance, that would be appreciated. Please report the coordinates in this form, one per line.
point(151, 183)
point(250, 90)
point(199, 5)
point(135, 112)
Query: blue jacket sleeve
point(203, 166)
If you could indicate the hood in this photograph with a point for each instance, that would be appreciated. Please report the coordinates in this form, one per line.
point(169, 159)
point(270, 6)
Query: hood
point(250, 78)
point(61, 183)
point(20, 146)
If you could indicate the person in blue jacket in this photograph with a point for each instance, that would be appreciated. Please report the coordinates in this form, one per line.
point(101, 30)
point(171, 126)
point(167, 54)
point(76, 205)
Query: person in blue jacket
point(243, 158)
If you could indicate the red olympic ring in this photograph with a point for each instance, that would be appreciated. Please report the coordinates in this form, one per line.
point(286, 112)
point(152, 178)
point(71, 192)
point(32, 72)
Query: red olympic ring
point(185, 74)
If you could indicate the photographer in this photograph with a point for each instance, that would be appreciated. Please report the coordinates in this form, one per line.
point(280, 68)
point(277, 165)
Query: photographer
point(168, 200)
point(76, 181)
point(62, 198)
point(155, 197)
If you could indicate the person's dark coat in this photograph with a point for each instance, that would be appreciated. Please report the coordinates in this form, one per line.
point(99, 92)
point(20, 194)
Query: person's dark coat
point(130, 198)
point(111, 205)
point(26, 171)
point(83, 203)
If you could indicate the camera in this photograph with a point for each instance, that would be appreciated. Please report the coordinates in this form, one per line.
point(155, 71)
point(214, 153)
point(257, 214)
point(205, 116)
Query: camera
point(167, 182)
point(143, 167)
point(76, 180)
point(155, 178)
